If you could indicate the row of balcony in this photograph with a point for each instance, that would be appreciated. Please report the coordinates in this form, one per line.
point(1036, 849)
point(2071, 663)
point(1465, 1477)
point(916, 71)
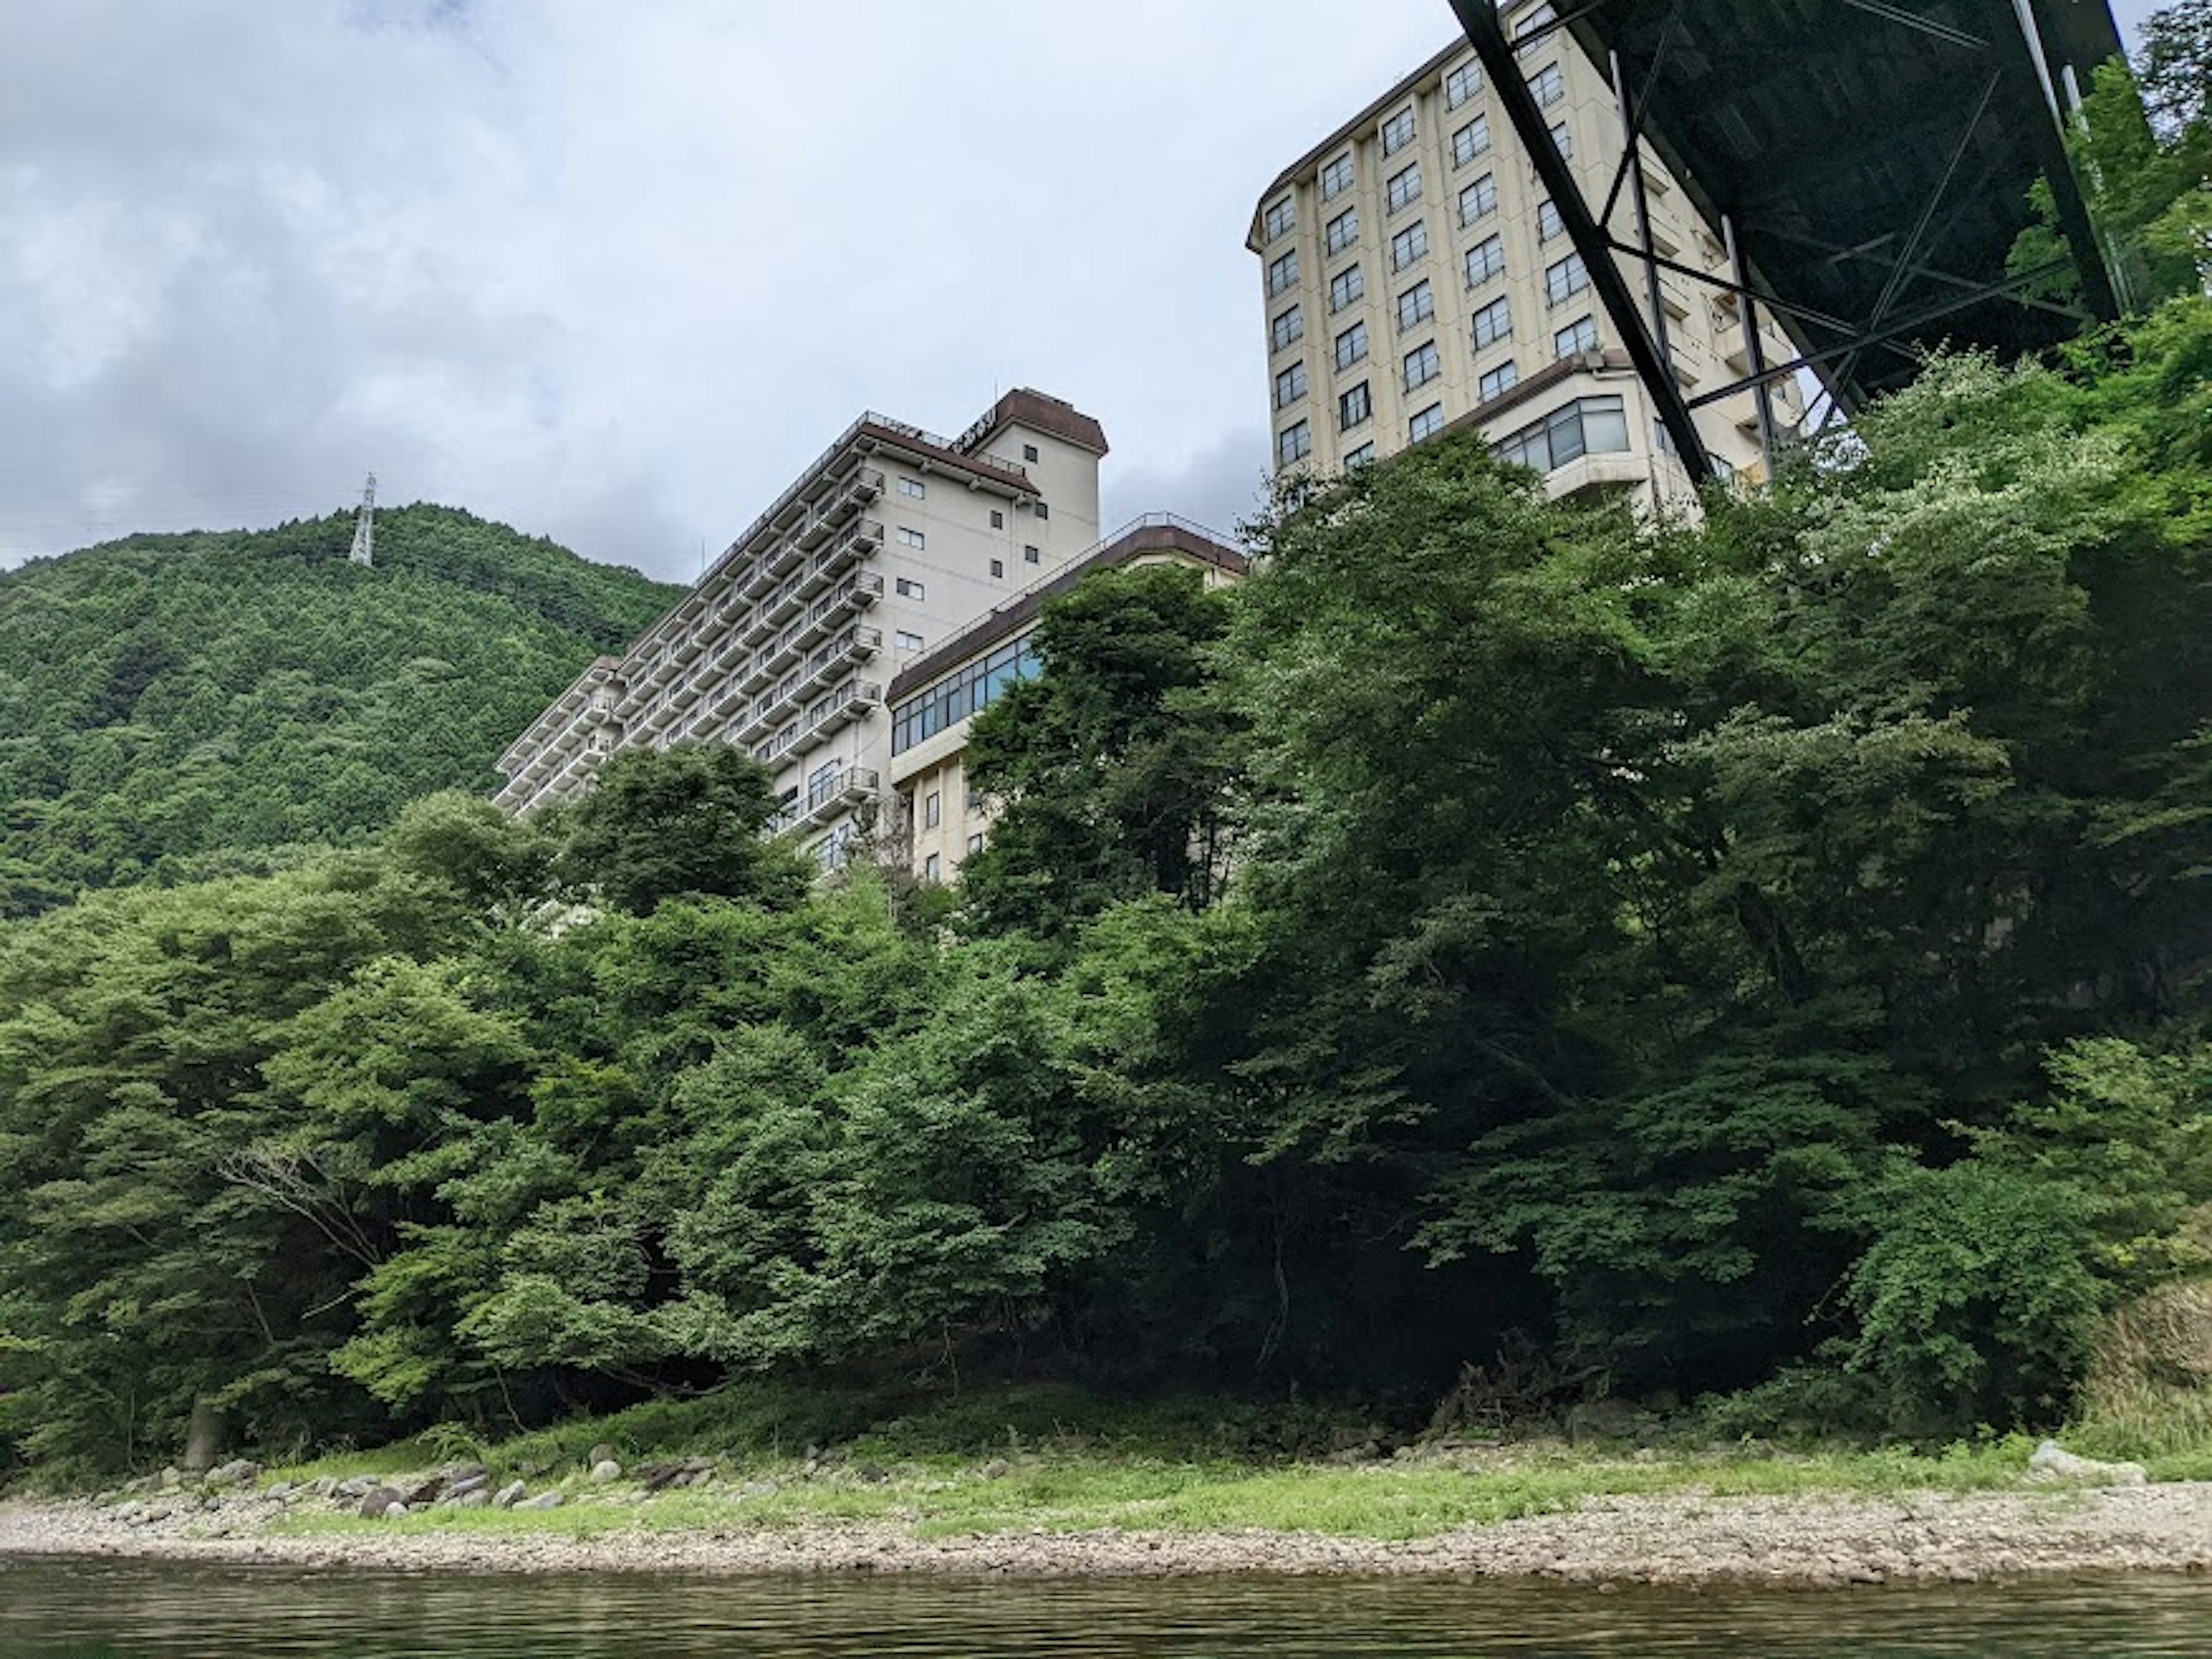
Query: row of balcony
point(826, 799)
point(855, 700)
point(730, 675)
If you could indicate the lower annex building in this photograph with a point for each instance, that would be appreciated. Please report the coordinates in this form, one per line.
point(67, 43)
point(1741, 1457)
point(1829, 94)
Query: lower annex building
point(875, 597)
point(1416, 280)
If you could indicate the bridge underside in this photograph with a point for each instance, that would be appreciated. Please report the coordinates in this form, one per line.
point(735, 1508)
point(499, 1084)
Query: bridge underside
point(1870, 160)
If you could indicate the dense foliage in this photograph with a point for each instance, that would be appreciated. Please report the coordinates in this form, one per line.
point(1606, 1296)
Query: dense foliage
point(1768, 955)
point(167, 703)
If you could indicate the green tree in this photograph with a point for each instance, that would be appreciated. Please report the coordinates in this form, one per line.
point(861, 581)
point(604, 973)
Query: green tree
point(661, 822)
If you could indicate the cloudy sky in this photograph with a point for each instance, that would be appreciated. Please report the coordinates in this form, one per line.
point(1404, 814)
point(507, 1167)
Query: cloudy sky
point(615, 272)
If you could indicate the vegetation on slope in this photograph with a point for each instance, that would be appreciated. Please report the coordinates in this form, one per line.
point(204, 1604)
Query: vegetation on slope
point(1497, 956)
point(168, 703)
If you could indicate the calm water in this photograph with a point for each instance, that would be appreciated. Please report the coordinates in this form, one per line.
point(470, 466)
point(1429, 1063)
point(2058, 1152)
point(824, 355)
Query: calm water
point(54, 1610)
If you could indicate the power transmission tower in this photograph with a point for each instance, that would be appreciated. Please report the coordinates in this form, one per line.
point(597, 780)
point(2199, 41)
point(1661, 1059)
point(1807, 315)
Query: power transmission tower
point(364, 527)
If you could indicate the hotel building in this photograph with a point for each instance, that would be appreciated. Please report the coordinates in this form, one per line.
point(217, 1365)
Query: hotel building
point(1417, 281)
point(890, 542)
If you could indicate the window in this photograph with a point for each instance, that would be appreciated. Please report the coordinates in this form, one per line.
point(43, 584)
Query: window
point(1548, 223)
point(1580, 335)
point(907, 642)
point(1409, 245)
point(1563, 281)
point(999, 567)
point(1028, 451)
point(1397, 131)
point(1042, 509)
point(1484, 260)
point(1529, 32)
point(1422, 365)
point(909, 537)
point(998, 519)
point(1281, 216)
point(1404, 188)
point(1287, 330)
point(951, 701)
point(1416, 305)
point(1353, 407)
point(1345, 289)
point(1294, 443)
point(1478, 200)
point(1031, 555)
point(932, 810)
point(1548, 84)
point(908, 589)
point(1283, 273)
point(1426, 424)
point(1461, 84)
point(975, 841)
point(1496, 381)
point(1493, 323)
point(1562, 138)
point(912, 486)
point(933, 869)
point(1336, 177)
point(1362, 456)
point(1352, 345)
point(1291, 384)
point(1470, 141)
point(1343, 231)
point(1591, 425)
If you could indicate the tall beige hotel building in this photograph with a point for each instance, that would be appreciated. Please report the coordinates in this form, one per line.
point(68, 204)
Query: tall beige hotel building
point(1417, 280)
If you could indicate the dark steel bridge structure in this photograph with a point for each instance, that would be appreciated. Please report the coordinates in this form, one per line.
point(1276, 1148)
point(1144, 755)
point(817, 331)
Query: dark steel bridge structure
point(1866, 163)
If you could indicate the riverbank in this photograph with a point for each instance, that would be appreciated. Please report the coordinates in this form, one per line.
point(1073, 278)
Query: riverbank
point(872, 1521)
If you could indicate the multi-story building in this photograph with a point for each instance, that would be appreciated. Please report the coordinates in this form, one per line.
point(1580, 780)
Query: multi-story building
point(934, 698)
point(891, 541)
point(1416, 280)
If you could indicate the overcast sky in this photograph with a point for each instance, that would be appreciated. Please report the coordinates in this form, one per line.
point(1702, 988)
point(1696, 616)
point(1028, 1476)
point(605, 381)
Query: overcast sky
point(615, 272)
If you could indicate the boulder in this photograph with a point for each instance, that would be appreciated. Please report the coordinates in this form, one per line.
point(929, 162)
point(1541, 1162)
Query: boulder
point(463, 1484)
point(423, 1493)
point(509, 1495)
point(238, 1472)
point(602, 1453)
point(475, 1498)
point(545, 1500)
point(996, 1469)
point(2054, 1462)
point(377, 1501)
point(606, 1469)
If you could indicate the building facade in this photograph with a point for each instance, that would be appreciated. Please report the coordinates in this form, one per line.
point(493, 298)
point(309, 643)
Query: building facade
point(934, 699)
point(891, 541)
point(1417, 281)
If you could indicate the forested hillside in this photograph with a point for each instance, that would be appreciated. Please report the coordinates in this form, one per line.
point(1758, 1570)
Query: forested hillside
point(1501, 954)
point(166, 701)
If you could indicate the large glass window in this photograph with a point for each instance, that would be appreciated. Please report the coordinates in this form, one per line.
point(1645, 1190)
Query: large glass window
point(1478, 200)
point(1484, 260)
point(1343, 230)
point(1565, 279)
point(1495, 381)
point(1336, 177)
point(1281, 216)
point(1291, 384)
point(1353, 407)
point(1283, 273)
point(1548, 84)
point(1470, 141)
point(1548, 223)
point(1493, 323)
point(1426, 424)
point(1422, 365)
point(1397, 131)
point(950, 702)
point(1409, 245)
point(1416, 305)
point(1288, 329)
point(1404, 188)
point(1461, 84)
point(1346, 288)
point(1352, 345)
point(1579, 336)
point(1293, 444)
point(1589, 426)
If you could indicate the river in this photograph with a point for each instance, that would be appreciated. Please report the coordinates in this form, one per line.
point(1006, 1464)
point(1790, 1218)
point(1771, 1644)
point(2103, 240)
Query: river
point(111, 1610)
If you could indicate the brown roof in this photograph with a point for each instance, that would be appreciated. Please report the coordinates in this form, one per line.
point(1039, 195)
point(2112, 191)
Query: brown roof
point(1053, 416)
point(1157, 533)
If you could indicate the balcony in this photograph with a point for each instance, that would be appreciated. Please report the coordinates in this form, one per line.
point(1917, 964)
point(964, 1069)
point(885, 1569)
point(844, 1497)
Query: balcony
point(790, 601)
point(729, 699)
point(855, 699)
point(786, 556)
point(827, 799)
point(783, 652)
point(758, 673)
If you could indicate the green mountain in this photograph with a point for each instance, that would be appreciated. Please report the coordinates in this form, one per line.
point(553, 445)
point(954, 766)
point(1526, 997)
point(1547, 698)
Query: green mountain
point(180, 704)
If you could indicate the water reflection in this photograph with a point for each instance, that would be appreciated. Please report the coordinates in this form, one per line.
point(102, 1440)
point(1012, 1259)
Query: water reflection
point(77, 1610)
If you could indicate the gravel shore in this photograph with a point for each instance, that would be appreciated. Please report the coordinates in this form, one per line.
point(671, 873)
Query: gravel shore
point(1679, 1538)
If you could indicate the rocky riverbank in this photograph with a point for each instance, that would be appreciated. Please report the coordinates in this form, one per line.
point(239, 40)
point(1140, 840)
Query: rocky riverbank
point(1687, 1537)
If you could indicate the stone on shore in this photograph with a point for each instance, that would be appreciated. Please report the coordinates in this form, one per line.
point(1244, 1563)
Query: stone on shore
point(545, 1500)
point(509, 1495)
point(606, 1469)
point(2054, 1462)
